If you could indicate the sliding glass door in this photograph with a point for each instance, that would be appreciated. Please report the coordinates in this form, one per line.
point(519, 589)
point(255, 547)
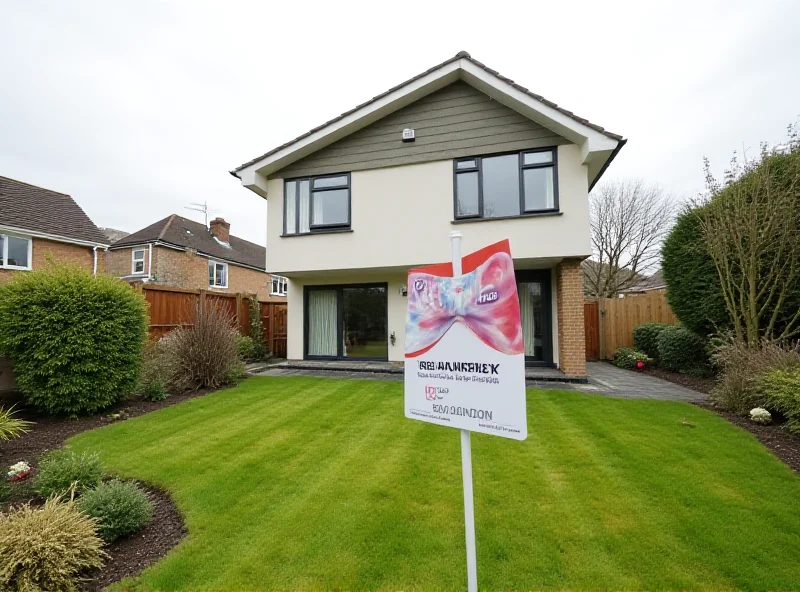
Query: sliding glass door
point(535, 309)
point(346, 322)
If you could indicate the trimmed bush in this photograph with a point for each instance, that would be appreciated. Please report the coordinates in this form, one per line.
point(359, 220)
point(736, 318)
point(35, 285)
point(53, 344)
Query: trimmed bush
point(681, 350)
point(76, 340)
point(741, 368)
point(627, 357)
point(246, 347)
point(205, 352)
point(781, 389)
point(645, 338)
point(158, 370)
point(120, 507)
point(46, 548)
point(60, 469)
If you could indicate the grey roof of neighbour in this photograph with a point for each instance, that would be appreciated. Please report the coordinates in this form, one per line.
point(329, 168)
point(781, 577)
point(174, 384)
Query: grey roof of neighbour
point(113, 234)
point(653, 282)
point(180, 232)
point(36, 209)
point(458, 56)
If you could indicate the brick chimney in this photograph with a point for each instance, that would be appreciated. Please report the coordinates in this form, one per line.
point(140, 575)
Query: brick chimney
point(220, 229)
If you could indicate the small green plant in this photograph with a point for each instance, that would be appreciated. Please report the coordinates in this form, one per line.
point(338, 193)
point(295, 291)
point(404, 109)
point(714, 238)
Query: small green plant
point(120, 507)
point(10, 426)
point(781, 389)
point(257, 329)
point(236, 373)
point(5, 491)
point(158, 370)
point(76, 340)
point(46, 548)
point(683, 351)
point(645, 338)
point(629, 358)
point(246, 347)
point(61, 470)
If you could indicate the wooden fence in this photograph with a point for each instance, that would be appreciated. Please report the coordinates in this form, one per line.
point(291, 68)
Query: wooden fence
point(609, 322)
point(174, 307)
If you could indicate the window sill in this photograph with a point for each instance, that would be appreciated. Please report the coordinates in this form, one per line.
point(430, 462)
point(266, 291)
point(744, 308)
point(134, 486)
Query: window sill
point(218, 287)
point(526, 215)
point(331, 231)
point(12, 268)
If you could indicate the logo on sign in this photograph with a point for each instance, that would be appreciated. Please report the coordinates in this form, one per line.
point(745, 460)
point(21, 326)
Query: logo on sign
point(420, 285)
point(430, 393)
point(488, 296)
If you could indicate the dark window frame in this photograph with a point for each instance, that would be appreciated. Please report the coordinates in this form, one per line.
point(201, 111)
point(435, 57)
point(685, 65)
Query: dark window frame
point(339, 288)
point(317, 228)
point(520, 168)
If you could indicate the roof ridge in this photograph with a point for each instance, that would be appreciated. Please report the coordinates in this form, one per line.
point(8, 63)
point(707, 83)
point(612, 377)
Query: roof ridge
point(34, 186)
point(166, 226)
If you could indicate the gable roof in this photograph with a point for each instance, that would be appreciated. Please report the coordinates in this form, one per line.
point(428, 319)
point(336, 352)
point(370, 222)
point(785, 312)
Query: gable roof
point(464, 67)
point(36, 210)
point(187, 234)
point(653, 282)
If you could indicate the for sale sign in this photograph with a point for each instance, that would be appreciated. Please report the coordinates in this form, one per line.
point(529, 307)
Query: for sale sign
point(465, 356)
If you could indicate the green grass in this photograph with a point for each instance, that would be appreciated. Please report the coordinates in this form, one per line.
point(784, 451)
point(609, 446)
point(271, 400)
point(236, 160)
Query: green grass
point(307, 484)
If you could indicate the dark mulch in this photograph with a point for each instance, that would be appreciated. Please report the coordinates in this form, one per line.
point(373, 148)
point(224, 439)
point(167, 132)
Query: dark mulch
point(128, 556)
point(776, 436)
point(131, 555)
point(701, 385)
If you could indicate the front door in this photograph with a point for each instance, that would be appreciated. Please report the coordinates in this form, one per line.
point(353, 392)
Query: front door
point(533, 287)
point(346, 322)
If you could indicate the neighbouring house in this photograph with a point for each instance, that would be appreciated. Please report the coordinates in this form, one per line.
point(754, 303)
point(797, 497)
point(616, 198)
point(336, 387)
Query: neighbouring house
point(652, 283)
point(185, 254)
point(356, 202)
point(114, 235)
point(38, 225)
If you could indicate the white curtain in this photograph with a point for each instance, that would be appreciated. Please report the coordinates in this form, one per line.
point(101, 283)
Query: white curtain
point(526, 308)
point(322, 323)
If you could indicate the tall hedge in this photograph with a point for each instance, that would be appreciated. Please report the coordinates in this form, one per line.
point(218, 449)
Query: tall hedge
point(75, 340)
point(693, 288)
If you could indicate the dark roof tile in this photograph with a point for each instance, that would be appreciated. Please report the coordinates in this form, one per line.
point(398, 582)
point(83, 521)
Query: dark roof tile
point(36, 209)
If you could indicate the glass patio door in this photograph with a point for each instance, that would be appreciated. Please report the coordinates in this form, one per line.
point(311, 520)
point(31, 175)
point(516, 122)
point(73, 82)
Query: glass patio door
point(533, 288)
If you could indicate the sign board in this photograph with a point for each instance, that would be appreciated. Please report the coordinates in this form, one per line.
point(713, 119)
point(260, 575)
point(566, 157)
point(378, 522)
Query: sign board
point(465, 356)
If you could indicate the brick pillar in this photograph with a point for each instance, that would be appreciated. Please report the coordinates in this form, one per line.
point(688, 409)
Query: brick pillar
point(569, 301)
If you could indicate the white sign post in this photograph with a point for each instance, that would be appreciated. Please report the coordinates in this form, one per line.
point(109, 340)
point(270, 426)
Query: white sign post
point(465, 360)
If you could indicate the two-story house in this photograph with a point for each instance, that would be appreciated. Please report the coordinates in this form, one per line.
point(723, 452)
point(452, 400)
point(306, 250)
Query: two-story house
point(356, 202)
point(182, 253)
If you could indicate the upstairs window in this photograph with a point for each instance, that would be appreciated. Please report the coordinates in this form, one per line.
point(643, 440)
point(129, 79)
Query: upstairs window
point(217, 274)
point(137, 264)
point(506, 185)
point(279, 285)
point(15, 252)
point(317, 204)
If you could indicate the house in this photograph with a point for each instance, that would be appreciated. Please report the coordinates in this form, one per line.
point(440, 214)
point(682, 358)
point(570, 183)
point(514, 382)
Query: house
point(186, 254)
point(37, 225)
point(652, 283)
point(356, 202)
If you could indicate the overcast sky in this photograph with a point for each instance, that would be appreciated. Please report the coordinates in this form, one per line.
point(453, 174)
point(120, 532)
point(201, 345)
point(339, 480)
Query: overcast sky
point(138, 108)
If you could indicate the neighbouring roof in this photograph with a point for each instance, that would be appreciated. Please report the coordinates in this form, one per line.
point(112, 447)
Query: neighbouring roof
point(653, 282)
point(180, 232)
point(459, 56)
point(113, 234)
point(39, 210)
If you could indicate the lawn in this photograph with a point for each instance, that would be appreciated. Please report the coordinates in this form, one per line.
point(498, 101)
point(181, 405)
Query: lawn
point(307, 484)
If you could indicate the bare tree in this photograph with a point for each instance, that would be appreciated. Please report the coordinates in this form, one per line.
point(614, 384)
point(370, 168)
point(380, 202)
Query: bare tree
point(629, 220)
point(751, 227)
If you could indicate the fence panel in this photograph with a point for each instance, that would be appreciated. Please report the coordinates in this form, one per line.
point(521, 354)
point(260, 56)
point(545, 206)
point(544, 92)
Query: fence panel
point(619, 316)
point(169, 309)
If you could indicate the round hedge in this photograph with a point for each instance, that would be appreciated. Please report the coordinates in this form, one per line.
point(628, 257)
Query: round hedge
point(693, 289)
point(645, 338)
point(75, 340)
point(120, 507)
point(682, 350)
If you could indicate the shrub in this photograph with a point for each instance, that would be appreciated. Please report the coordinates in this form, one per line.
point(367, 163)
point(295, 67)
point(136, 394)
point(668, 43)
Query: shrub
point(257, 329)
point(760, 415)
point(742, 366)
point(681, 350)
point(10, 426)
point(627, 357)
point(246, 347)
point(5, 491)
point(645, 338)
point(120, 507)
point(781, 389)
point(60, 469)
point(76, 340)
point(205, 352)
point(158, 370)
point(46, 548)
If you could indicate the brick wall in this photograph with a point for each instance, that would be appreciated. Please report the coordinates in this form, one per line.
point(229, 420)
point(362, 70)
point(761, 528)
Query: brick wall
point(569, 300)
point(183, 269)
point(44, 250)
